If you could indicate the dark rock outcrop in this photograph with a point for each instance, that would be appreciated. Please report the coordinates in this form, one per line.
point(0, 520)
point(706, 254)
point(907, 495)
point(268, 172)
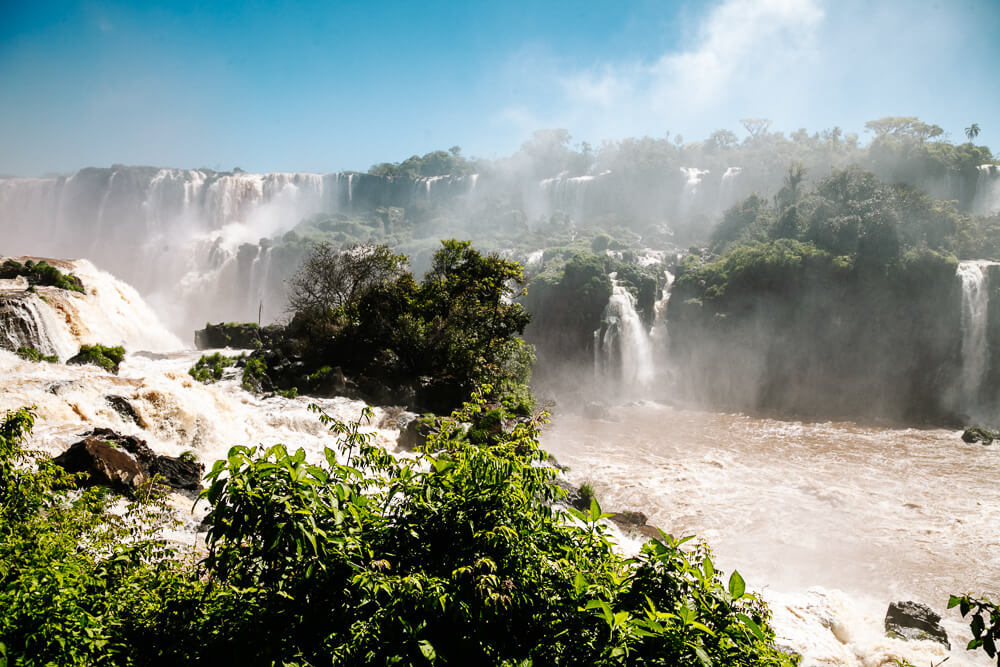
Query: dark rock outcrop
point(914, 621)
point(635, 522)
point(178, 473)
point(104, 466)
point(125, 463)
point(245, 335)
point(121, 405)
point(414, 434)
point(976, 434)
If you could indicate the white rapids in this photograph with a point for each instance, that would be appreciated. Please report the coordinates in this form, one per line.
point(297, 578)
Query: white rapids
point(830, 521)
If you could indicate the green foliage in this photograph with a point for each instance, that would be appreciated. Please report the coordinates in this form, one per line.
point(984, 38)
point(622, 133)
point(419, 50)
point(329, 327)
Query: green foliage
point(41, 273)
point(31, 354)
point(456, 557)
point(76, 581)
point(254, 373)
point(457, 328)
point(435, 163)
point(108, 358)
point(985, 622)
point(209, 368)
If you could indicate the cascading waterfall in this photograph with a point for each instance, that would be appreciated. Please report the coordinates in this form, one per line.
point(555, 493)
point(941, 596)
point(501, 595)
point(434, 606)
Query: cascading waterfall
point(110, 313)
point(659, 331)
point(689, 194)
point(171, 232)
point(623, 342)
point(987, 198)
point(974, 275)
point(727, 188)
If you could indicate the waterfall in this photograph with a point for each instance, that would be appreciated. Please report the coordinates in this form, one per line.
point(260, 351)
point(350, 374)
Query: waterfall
point(27, 321)
point(689, 194)
point(624, 346)
point(727, 189)
point(987, 198)
point(58, 322)
point(975, 309)
point(173, 232)
point(659, 331)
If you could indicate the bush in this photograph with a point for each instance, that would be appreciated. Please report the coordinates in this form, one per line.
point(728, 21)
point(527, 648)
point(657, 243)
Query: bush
point(41, 273)
point(209, 368)
point(31, 354)
point(108, 358)
point(985, 624)
point(457, 557)
point(78, 585)
point(254, 374)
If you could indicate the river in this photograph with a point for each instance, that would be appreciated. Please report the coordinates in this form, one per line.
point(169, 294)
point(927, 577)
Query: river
point(829, 520)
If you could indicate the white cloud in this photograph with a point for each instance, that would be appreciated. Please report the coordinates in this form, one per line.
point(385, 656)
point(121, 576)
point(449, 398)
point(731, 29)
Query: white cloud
point(739, 49)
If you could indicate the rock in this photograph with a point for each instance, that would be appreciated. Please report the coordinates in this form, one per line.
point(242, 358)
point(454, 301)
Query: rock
point(414, 434)
point(177, 473)
point(914, 621)
point(573, 497)
point(246, 335)
point(104, 465)
point(635, 522)
point(977, 434)
point(121, 405)
point(137, 447)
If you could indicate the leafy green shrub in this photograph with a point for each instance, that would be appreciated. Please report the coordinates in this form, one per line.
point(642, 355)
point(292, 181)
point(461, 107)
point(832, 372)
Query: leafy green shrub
point(209, 368)
point(31, 354)
point(108, 358)
point(985, 623)
point(78, 585)
point(456, 557)
point(254, 373)
point(41, 273)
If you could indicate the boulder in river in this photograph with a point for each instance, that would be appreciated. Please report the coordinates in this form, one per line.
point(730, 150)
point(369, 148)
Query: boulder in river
point(914, 621)
point(124, 463)
point(977, 434)
point(104, 465)
point(632, 521)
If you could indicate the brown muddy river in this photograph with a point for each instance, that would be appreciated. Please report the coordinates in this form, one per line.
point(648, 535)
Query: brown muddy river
point(829, 520)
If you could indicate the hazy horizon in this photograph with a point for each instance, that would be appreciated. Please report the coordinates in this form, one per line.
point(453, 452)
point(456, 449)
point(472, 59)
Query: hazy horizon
point(281, 87)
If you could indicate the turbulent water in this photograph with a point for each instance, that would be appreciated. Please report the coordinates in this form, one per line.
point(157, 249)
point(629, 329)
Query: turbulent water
point(831, 520)
point(176, 413)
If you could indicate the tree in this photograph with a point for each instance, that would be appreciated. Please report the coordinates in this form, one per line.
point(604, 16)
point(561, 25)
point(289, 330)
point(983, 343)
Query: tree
point(756, 126)
point(909, 127)
point(331, 278)
point(972, 131)
point(722, 140)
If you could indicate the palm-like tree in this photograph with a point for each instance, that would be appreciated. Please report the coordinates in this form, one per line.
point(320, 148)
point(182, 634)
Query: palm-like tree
point(972, 131)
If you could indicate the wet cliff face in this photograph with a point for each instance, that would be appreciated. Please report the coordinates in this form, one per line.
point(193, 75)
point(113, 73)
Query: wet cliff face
point(825, 341)
point(22, 324)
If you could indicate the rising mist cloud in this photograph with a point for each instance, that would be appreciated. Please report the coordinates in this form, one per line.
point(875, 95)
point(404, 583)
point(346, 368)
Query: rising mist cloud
point(802, 63)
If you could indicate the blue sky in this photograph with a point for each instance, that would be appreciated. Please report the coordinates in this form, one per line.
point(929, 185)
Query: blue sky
point(342, 85)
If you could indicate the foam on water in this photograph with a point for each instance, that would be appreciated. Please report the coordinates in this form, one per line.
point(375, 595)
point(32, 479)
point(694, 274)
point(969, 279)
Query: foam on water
point(830, 521)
